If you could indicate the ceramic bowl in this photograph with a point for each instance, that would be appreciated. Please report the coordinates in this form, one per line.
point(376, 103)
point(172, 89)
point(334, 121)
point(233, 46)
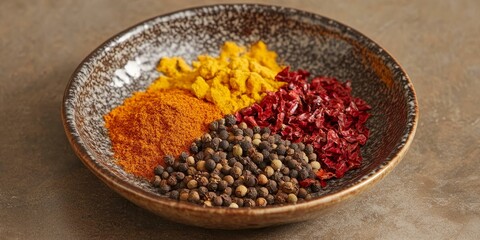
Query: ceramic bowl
point(126, 63)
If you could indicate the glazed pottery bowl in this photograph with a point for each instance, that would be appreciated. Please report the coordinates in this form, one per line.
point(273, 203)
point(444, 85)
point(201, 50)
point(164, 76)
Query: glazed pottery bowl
point(126, 63)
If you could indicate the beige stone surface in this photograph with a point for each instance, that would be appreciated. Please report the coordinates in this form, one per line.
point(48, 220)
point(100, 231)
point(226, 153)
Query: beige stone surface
point(46, 192)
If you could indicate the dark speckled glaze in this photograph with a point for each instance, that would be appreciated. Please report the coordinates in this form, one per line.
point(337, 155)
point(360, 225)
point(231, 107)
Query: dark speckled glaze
point(126, 63)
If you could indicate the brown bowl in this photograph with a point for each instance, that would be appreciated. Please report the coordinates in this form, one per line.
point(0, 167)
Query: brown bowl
point(126, 63)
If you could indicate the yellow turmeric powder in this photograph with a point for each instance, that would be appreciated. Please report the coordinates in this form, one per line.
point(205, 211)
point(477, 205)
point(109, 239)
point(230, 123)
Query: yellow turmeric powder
point(235, 79)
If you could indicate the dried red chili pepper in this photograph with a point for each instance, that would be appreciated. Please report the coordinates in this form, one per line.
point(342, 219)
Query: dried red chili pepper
point(321, 112)
point(306, 182)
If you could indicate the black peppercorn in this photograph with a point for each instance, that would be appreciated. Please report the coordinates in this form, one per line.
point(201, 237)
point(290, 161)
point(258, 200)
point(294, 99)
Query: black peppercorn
point(232, 161)
point(230, 120)
point(257, 157)
point(294, 146)
point(212, 186)
point(237, 183)
point(156, 181)
point(281, 198)
point(163, 187)
point(292, 163)
point(172, 180)
point(256, 129)
point(222, 185)
point(248, 202)
point(158, 170)
point(264, 145)
point(303, 174)
point(180, 175)
point(302, 193)
point(248, 132)
point(301, 146)
point(199, 156)
point(227, 200)
point(213, 126)
point(210, 165)
point(308, 149)
point(239, 202)
point(265, 137)
point(277, 176)
point(272, 186)
point(250, 181)
point(245, 145)
point(262, 165)
point(174, 194)
point(235, 172)
point(217, 201)
point(223, 134)
point(194, 148)
point(238, 132)
point(225, 169)
point(265, 153)
point(223, 145)
point(215, 143)
point(251, 193)
point(281, 149)
point(262, 192)
point(183, 157)
point(265, 130)
point(270, 199)
point(228, 191)
point(169, 160)
point(182, 167)
point(271, 139)
point(216, 157)
point(293, 173)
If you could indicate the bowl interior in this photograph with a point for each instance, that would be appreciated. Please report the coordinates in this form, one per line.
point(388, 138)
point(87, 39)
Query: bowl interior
point(126, 63)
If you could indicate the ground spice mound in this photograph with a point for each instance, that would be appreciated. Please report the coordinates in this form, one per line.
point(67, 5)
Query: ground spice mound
point(152, 124)
point(235, 79)
point(321, 112)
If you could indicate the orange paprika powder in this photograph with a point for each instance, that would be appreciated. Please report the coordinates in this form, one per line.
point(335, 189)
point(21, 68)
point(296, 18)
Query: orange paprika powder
point(152, 124)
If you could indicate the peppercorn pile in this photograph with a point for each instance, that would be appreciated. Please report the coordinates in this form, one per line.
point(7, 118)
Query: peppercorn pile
point(237, 166)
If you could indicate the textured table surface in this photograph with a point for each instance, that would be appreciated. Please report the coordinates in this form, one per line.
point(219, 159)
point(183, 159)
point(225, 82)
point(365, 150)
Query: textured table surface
point(46, 192)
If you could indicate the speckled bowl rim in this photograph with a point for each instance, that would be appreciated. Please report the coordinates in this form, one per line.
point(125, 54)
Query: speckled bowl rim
point(124, 187)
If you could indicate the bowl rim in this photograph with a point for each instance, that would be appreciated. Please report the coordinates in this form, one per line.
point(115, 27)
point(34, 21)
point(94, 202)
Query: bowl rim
point(117, 184)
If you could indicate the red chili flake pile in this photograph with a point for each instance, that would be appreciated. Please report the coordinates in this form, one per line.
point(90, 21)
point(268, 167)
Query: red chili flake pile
point(321, 112)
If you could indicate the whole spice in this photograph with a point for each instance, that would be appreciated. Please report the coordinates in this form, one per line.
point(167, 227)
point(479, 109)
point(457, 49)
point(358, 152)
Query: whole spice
point(322, 113)
point(243, 174)
point(234, 80)
point(152, 124)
